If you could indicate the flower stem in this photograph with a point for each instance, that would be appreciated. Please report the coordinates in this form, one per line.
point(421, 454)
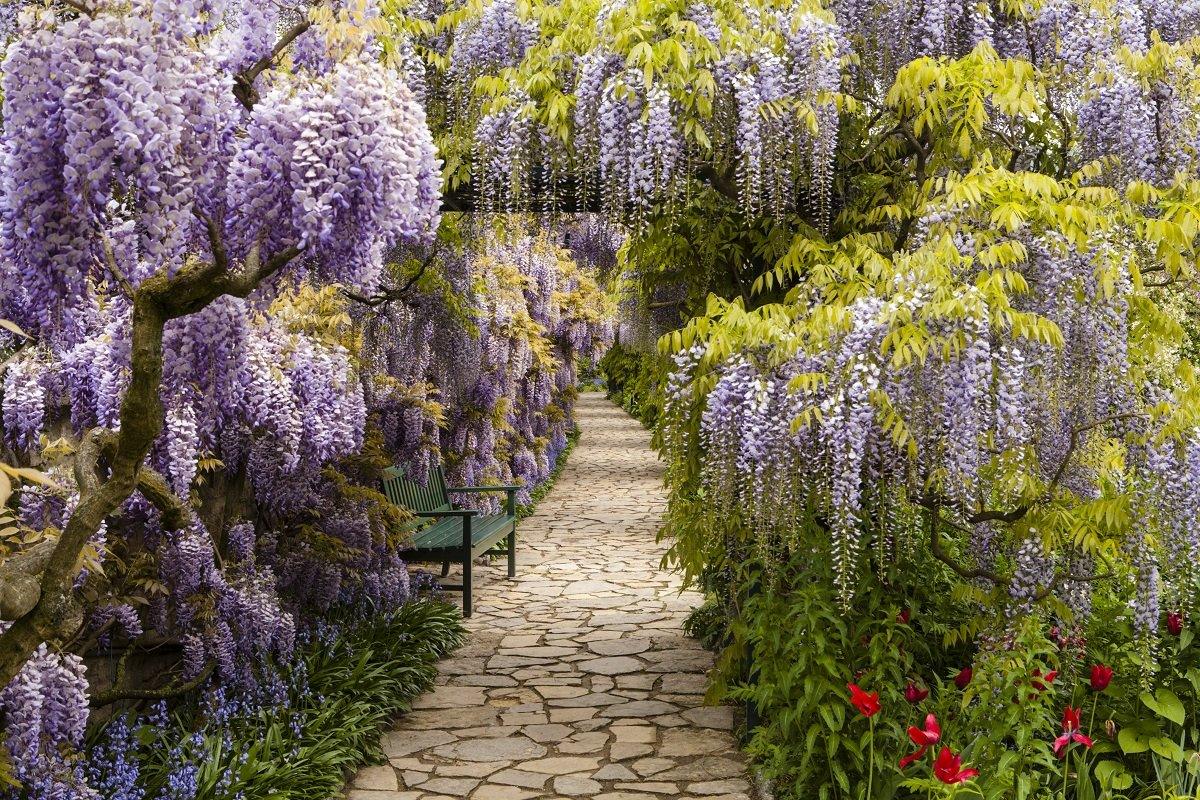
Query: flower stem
point(871, 763)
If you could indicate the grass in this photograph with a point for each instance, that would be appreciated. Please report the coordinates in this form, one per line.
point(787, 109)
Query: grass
point(356, 686)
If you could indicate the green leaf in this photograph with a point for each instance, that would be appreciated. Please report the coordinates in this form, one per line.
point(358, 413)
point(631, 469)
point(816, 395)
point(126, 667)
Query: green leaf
point(1112, 775)
point(1131, 741)
point(14, 328)
point(1165, 704)
point(1167, 748)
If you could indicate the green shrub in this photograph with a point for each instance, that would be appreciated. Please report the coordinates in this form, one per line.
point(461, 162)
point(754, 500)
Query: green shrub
point(633, 380)
point(342, 691)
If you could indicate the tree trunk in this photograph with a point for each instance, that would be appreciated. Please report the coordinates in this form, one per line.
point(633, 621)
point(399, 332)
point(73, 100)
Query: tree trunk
point(57, 614)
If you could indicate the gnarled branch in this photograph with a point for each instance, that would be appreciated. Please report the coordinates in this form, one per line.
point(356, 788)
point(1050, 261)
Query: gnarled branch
point(389, 295)
point(154, 487)
point(121, 691)
point(935, 547)
point(243, 82)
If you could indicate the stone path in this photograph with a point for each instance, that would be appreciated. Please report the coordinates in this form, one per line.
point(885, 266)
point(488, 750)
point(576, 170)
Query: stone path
point(577, 681)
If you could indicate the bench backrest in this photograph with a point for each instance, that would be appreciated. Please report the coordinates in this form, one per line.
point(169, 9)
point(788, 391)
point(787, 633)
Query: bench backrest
point(403, 491)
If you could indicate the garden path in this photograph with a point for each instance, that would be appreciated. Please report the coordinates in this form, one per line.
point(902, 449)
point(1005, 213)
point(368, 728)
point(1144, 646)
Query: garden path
point(577, 680)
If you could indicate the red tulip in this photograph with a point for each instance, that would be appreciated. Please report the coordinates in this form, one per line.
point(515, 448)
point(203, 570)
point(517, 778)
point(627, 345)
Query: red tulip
point(923, 738)
point(1175, 623)
point(1071, 733)
point(1101, 677)
point(904, 616)
point(963, 678)
point(914, 695)
point(1070, 720)
point(930, 734)
point(867, 703)
point(948, 768)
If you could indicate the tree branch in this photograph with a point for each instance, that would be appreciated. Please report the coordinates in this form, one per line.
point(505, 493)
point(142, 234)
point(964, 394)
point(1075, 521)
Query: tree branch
point(243, 82)
point(256, 271)
point(935, 547)
point(921, 151)
point(1074, 442)
point(50, 612)
point(1060, 577)
point(216, 245)
point(20, 587)
point(389, 295)
point(125, 692)
point(719, 181)
point(110, 258)
point(154, 487)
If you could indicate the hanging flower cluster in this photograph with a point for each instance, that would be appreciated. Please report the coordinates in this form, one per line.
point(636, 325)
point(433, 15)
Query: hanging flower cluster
point(634, 138)
point(933, 397)
point(136, 151)
point(480, 373)
point(560, 105)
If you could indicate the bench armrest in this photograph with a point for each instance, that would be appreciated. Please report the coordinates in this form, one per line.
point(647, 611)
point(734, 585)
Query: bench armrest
point(510, 505)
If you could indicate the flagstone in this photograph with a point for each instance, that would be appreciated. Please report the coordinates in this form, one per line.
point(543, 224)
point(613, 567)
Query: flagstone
point(638, 708)
point(519, 777)
point(620, 751)
point(576, 785)
point(706, 768)
point(454, 787)
point(495, 791)
point(561, 765)
point(577, 680)
point(582, 747)
point(634, 733)
point(510, 748)
point(381, 777)
point(547, 733)
point(619, 647)
point(571, 714)
point(688, 742)
point(718, 787)
point(451, 697)
point(586, 701)
point(650, 786)
point(479, 769)
point(614, 772)
point(402, 744)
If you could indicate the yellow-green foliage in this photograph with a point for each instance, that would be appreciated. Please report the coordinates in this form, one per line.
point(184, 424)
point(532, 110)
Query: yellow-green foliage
point(954, 232)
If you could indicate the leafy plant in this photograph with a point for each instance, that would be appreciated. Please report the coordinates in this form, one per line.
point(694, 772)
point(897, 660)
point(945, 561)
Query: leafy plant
point(343, 690)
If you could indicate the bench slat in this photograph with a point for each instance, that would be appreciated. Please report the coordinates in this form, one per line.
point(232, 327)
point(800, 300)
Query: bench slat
point(448, 532)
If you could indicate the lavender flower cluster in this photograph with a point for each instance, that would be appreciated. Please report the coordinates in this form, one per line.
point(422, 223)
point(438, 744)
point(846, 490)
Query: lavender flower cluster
point(488, 391)
point(844, 426)
point(126, 157)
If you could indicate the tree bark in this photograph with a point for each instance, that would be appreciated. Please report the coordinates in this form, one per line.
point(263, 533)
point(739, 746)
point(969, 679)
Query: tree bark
point(57, 615)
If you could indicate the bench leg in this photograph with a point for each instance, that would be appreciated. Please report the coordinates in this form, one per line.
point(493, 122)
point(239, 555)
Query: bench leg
point(445, 568)
point(466, 564)
point(512, 554)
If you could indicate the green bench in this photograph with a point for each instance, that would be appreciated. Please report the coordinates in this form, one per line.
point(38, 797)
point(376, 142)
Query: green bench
point(456, 534)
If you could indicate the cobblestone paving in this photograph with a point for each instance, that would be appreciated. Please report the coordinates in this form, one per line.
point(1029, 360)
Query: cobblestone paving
point(577, 680)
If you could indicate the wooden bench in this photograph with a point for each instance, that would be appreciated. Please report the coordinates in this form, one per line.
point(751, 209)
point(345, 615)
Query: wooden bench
point(456, 535)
